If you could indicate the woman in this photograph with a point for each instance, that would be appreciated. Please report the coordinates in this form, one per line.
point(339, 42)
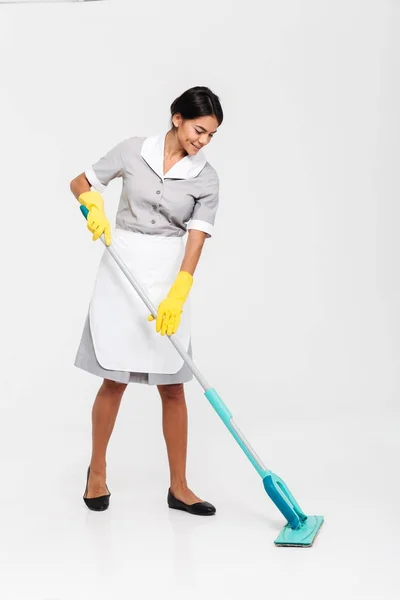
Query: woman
point(168, 188)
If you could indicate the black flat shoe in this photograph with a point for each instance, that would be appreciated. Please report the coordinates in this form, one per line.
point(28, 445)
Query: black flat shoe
point(99, 503)
point(198, 508)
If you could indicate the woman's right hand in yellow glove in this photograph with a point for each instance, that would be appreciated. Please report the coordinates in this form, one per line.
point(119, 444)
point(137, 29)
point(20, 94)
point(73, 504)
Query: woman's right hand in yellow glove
point(97, 221)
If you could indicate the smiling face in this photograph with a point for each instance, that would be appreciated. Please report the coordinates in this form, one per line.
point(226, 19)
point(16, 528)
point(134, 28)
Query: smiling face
point(194, 134)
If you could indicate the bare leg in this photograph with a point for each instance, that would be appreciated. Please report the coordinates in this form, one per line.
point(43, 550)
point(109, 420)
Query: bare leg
point(104, 414)
point(175, 425)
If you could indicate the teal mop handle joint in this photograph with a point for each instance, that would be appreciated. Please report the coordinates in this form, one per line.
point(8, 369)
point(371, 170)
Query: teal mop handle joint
point(284, 500)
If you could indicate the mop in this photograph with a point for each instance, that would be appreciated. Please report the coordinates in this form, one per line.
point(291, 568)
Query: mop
point(300, 529)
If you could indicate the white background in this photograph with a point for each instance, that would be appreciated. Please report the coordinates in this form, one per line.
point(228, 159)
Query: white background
point(295, 302)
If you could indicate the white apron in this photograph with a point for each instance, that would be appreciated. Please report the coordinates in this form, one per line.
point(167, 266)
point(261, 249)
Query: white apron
point(123, 338)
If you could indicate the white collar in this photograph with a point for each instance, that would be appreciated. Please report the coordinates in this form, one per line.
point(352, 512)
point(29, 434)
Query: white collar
point(153, 153)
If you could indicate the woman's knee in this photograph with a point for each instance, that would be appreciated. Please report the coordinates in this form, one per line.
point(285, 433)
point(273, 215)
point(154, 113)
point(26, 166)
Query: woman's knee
point(171, 391)
point(114, 388)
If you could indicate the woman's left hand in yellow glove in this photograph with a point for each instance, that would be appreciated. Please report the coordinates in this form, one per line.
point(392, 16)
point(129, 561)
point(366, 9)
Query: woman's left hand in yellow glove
point(170, 309)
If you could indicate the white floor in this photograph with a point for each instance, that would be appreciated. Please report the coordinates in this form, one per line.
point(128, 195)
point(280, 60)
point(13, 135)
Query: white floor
point(53, 548)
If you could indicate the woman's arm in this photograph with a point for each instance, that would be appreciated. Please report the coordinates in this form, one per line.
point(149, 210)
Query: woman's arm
point(194, 246)
point(79, 185)
point(170, 309)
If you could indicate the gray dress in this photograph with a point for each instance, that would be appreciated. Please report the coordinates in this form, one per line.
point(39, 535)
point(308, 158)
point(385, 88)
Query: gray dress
point(152, 203)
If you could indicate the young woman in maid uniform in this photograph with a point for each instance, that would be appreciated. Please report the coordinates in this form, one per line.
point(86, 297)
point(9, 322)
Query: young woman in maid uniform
point(168, 188)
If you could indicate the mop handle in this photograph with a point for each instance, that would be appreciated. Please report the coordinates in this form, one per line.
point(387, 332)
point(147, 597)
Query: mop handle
point(138, 288)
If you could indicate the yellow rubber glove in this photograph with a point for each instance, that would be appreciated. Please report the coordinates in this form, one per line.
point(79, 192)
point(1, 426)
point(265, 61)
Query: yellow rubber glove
point(170, 309)
point(97, 221)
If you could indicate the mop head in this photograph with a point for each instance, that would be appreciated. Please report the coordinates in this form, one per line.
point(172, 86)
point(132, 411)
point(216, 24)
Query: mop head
point(300, 530)
point(303, 536)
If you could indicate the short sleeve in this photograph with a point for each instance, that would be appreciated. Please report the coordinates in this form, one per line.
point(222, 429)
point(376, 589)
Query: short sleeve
point(205, 208)
point(110, 166)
